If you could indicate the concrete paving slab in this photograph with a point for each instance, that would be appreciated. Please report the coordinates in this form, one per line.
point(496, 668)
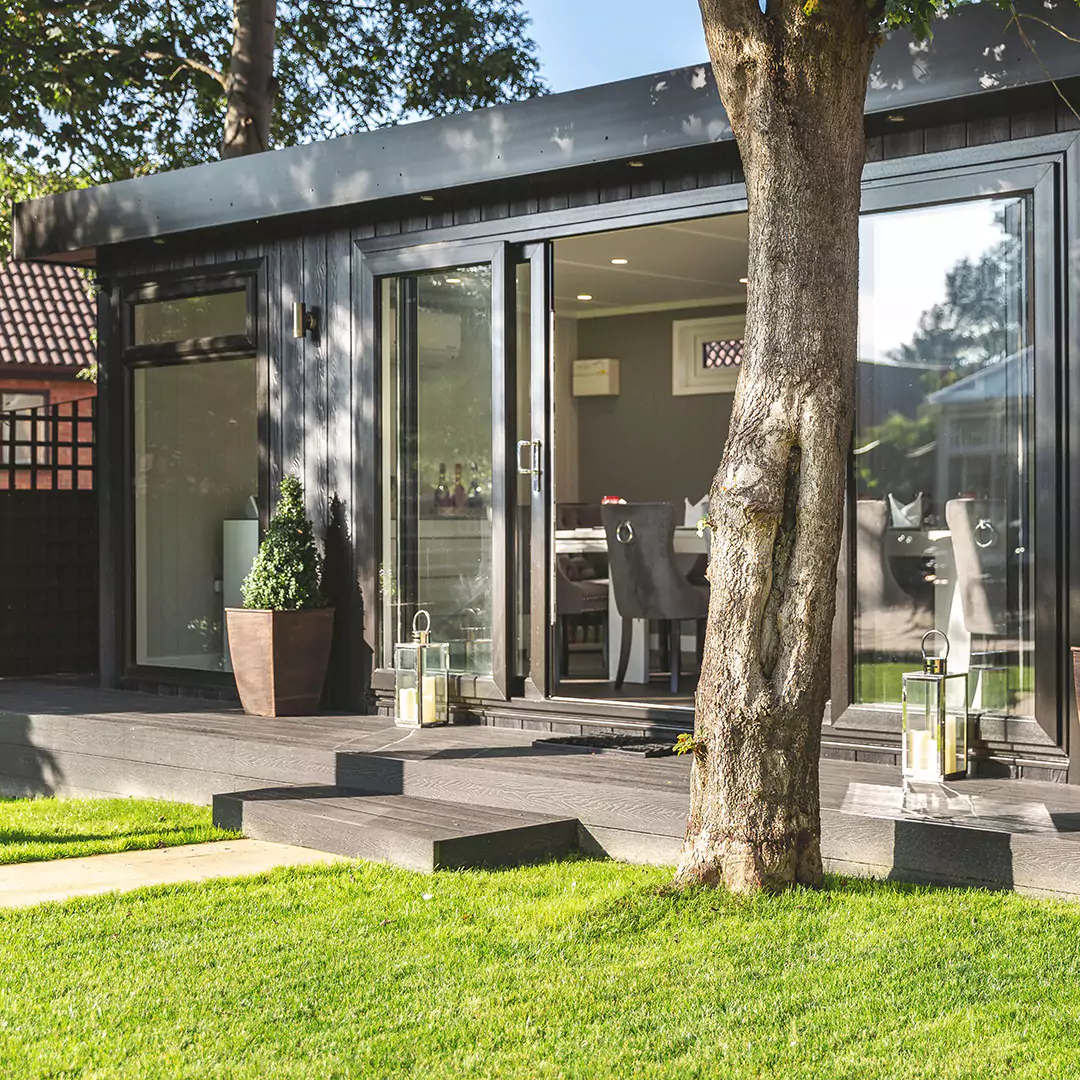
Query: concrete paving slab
point(24, 884)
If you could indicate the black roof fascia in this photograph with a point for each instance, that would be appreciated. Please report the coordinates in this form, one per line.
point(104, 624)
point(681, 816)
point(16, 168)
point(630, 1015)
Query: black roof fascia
point(974, 51)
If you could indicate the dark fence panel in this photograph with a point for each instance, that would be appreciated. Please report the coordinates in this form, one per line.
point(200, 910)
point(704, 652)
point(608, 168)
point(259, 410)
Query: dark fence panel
point(48, 540)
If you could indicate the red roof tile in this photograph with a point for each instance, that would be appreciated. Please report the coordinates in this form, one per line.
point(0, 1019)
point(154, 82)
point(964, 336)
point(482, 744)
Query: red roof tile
point(46, 316)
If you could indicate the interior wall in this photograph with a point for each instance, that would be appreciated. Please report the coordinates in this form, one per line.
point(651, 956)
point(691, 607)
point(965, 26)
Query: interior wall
point(567, 442)
point(645, 444)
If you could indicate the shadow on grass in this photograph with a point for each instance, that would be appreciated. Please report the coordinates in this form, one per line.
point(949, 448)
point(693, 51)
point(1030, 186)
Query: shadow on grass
point(8, 836)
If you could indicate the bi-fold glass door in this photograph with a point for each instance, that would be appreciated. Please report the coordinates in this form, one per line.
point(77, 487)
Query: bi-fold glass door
point(462, 515)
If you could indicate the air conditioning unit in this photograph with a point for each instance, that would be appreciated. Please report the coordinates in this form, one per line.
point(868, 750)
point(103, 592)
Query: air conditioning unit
point(440, 334)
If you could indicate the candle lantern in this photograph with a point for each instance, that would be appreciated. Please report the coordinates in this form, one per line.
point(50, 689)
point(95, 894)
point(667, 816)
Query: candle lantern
point(935, 718)
point(420, 678)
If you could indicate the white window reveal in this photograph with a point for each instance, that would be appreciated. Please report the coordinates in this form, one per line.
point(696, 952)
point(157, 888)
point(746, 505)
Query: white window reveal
point(706, 354)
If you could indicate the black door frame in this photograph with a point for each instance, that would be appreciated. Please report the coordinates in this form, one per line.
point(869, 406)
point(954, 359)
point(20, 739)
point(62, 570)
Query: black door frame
point(943, 176)
point(404, 264)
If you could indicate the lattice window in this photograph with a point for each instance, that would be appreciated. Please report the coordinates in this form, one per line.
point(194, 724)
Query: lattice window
point(721, 354)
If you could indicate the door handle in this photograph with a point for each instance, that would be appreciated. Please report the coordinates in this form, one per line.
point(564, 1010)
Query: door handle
point(532, 468)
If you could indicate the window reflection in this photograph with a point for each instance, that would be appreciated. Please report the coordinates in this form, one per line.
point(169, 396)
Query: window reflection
point(437, 348)
point(941, 455)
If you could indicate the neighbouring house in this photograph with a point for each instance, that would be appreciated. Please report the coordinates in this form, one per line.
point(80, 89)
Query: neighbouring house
point(48, 318)
point(464, 334)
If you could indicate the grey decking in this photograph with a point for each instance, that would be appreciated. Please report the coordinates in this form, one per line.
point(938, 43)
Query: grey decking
point(70, 740)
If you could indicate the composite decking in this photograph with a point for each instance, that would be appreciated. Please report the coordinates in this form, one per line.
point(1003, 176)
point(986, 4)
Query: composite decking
point(477, 795)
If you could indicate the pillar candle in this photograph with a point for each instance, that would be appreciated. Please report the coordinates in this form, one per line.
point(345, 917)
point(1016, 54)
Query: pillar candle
point(406, 704)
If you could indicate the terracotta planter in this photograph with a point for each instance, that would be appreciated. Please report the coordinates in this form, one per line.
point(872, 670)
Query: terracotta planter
point(279, 658)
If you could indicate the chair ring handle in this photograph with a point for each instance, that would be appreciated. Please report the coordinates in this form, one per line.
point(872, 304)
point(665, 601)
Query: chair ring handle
point(624, 532)
point(984, 525)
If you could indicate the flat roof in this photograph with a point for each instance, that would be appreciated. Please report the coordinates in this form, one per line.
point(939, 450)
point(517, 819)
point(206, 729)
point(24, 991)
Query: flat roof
point(973, 52)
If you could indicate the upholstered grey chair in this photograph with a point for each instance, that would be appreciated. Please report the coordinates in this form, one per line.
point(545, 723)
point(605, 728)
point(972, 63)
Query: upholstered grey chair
point(575, 598)
point(646, 579)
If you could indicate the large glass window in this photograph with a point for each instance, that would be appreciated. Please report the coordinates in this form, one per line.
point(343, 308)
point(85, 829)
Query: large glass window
point(196, 455)
point(437, 461)
point(942, 450)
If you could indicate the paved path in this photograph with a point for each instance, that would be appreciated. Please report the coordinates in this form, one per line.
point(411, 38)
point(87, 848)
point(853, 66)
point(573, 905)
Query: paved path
point(29, 883)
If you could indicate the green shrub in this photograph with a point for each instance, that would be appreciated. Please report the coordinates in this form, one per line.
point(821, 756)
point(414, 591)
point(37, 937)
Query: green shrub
point(285, 574)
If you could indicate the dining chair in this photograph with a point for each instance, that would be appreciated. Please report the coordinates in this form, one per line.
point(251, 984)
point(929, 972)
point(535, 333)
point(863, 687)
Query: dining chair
point(646, 579)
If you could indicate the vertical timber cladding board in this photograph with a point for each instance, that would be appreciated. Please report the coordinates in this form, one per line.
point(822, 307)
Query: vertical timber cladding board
point(275, 329)
point(293, 446)
point(314, 364)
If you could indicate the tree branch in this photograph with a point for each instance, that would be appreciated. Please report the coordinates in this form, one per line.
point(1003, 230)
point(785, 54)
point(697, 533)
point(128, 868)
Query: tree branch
point(1016, 17)
point(181, 61)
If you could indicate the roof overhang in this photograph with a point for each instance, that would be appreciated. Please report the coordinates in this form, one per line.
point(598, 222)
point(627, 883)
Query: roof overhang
point(974, 51)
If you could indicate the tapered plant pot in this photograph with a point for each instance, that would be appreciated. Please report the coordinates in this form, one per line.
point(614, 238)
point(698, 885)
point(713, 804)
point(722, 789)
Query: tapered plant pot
point(279, 658)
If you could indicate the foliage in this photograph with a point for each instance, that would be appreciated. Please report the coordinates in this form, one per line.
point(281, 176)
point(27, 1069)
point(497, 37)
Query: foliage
point(117, 88)
point(578, 969)
point(35, 829)
point(20, 181)
point(285, 574)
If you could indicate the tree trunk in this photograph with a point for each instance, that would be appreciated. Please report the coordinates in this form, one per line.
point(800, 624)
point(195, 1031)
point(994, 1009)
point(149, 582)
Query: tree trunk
point(794, 86)
point(250, 90)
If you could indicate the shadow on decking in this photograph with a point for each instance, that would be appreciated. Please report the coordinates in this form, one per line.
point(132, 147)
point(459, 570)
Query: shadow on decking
point(29, 769)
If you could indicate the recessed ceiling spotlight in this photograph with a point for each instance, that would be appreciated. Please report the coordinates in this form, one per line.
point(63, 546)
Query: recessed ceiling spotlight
point(584, 296)
point(620, 262)
point(453, 281)
point(744, 281)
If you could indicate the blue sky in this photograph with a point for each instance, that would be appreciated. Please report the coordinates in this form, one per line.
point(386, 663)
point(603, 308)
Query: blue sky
point(586, 42)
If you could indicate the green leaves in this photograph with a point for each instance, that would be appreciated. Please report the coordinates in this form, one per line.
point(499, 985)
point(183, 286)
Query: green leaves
point(117, 88)
point(285, 574)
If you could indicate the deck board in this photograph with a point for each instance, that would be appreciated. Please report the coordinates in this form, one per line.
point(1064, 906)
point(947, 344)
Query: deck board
point(71, 740)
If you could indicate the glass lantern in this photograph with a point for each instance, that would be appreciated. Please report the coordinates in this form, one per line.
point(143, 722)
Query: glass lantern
point(421, 684)
point(935, 719)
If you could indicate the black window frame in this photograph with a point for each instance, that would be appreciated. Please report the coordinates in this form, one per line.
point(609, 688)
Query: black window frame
point(241, 277)
point(1047, 180)
point(193, 281)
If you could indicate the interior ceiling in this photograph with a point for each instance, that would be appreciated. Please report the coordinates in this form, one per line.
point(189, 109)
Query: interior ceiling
point(689, 262)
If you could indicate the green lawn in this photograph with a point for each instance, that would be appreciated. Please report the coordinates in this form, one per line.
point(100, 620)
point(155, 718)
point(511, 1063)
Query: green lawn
point(36, 829)
point(583, 969)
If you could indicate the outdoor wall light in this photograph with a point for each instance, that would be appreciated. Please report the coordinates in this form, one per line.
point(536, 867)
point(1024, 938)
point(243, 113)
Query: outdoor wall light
point(620, 262)
point(453, 281)
point(427, 198)
point(584, 296)
point(303, 321)
point(636, 164)
point(744, 281)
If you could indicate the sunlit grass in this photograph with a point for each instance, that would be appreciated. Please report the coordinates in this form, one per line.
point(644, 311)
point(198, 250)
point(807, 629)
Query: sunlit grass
point(580, 969)
point(35, 829)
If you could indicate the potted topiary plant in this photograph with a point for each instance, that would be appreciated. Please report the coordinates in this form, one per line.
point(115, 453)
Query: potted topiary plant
point(279, 641)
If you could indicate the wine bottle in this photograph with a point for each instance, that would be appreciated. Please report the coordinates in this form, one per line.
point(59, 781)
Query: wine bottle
point(459, 490)
point(476, 492)
point(442, 492)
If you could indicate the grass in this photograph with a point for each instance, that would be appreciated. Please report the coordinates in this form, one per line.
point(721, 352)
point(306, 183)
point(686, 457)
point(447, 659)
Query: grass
point(35, 829)
point(582, 969)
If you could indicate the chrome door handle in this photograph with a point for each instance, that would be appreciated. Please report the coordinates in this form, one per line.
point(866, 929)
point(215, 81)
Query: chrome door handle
point(533, 457)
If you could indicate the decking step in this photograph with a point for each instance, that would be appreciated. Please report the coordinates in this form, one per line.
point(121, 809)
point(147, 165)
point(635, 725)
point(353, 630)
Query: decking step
point(414, 833)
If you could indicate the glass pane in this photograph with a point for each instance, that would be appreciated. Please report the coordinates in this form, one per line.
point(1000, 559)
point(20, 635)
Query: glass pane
point(437, 416)
point(20, 430)
point(196, 521)
point(223, 314)
point(942, 452)
point(523, 535)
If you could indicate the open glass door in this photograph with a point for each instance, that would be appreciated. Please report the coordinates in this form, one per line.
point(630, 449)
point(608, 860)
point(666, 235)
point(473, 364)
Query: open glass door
point(448, 393)
point(534, 309)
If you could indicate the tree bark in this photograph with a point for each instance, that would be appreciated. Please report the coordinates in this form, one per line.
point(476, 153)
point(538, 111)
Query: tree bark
point(794, 86)
point(250, 86)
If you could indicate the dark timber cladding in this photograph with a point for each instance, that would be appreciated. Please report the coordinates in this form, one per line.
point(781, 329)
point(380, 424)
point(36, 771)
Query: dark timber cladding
point(972, 53)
